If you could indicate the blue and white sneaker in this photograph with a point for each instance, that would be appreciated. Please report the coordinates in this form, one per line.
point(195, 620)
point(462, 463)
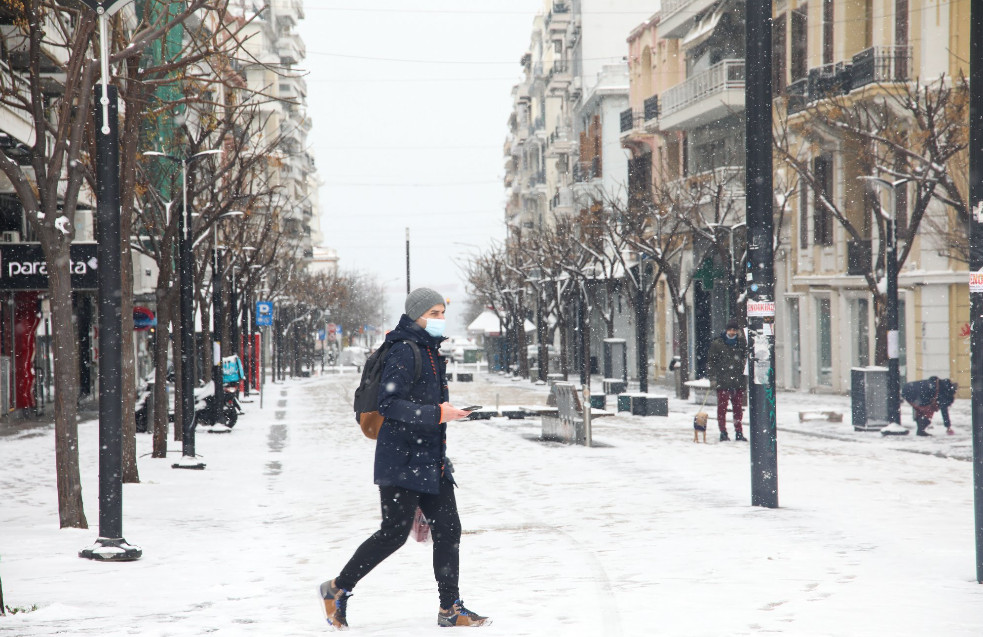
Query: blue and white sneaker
point(335, 604)
point(458, 615)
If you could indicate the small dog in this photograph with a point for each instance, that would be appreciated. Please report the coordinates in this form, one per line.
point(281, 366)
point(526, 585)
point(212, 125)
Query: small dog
point(700, 426)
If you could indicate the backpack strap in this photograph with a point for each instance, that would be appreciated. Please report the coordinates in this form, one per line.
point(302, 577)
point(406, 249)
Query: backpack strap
point(417, 360)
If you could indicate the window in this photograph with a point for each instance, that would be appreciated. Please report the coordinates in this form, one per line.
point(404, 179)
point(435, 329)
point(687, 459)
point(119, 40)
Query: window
point(822, 229)
point(800, 42)
point(778, 55)
point(827, 31)
point(824, 344)
point(901, 22)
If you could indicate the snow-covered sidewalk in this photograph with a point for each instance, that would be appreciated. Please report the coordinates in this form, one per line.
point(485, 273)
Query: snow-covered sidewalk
point(647, 533)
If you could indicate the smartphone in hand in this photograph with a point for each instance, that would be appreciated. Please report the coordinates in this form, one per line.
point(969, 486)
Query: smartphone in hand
point(471, 408)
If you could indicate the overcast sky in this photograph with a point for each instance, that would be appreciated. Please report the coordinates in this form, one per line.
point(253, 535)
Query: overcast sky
point(410, 103)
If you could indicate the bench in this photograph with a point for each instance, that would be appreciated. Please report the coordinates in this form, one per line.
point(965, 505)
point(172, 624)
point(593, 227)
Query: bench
point(703, 394)
point(644, 404)
point(567, 423)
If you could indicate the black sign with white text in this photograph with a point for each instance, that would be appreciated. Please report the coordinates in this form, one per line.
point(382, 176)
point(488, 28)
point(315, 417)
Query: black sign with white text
point(22, 266)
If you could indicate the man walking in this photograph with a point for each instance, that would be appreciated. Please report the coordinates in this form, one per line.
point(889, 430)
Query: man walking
point(411, 467)
point(725, 368)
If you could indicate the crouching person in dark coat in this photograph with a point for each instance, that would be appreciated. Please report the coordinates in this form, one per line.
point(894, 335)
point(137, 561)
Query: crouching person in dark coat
point(411, 467)
point(928, 396)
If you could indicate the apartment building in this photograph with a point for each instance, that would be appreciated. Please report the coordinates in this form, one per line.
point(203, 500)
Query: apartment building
point(834, 58)
point(272, 69)
point(684, 129)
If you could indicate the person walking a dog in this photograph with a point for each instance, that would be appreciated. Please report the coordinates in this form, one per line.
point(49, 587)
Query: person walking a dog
point(411, 466)
point(726, 362)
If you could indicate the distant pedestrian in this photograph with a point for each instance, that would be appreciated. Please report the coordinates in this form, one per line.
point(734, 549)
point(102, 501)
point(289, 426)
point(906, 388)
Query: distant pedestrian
point(725, 368)
point(411, 467)
point(927, 397)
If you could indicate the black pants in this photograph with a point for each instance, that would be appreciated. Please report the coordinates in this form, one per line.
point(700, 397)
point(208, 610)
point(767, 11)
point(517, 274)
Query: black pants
point(398, 507)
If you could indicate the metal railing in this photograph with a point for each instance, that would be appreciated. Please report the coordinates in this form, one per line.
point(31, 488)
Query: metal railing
point(881, 64)
point(650, 108)
point(722, 76)
point(670, 7)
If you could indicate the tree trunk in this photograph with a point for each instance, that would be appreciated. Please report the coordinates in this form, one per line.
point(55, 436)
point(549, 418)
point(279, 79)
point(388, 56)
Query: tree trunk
point(130, 471)
point(178, 433)
point(66, 366)
point(683, 344)
point(161, 342)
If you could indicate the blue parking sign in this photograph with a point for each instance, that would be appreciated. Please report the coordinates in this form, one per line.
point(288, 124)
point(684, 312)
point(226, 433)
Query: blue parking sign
point(264, 313)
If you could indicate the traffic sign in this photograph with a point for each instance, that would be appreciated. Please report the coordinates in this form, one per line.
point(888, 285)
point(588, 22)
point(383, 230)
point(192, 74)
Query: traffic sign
point(264, 313)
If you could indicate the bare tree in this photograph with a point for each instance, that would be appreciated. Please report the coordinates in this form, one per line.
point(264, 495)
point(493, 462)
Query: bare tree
point(905, 131)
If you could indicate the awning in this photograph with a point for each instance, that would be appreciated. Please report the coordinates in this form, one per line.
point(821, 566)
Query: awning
point(489, 325)
point(702, 29)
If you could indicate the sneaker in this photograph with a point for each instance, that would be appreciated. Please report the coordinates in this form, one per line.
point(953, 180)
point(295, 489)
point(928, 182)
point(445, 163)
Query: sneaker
point(724, 437)
point(458, 615)
point(739, 436)
point(335, 604)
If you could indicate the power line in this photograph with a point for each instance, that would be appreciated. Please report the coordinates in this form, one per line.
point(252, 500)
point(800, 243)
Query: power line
point(412, 61)
point(647, 12)
point(376, 184)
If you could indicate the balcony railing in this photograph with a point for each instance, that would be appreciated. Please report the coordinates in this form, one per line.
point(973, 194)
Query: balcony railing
point(876, 64)
point(650, 108)
point(881, 64)
point(627, 120)
point(723, 76)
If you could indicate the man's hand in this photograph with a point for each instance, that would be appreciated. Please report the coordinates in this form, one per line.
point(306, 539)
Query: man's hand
point(449, 412)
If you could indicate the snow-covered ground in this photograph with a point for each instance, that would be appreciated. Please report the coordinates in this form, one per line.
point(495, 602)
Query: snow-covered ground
point(646, 533)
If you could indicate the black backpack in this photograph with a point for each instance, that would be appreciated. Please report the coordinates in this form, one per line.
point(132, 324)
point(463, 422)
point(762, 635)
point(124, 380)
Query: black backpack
point(367, 395)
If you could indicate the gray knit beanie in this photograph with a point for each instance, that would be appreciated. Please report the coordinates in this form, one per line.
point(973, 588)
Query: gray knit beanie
point(420, 300)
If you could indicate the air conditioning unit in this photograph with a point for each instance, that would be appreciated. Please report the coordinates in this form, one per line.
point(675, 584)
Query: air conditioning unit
point(10, 236)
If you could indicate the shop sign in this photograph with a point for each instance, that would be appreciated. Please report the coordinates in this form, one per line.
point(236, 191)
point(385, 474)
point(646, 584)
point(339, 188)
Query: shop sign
point(22, 267)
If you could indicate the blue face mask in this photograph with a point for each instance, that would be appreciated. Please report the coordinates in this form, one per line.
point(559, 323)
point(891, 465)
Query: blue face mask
point(435, 327)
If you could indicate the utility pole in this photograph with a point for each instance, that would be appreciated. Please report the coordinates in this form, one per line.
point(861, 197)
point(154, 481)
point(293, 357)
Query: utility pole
point(976, 264)
point(760, 256)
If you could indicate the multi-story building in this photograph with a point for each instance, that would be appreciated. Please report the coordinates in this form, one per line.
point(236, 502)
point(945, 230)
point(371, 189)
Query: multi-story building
point(684, 129)
point(851, 54)
point(271, 68)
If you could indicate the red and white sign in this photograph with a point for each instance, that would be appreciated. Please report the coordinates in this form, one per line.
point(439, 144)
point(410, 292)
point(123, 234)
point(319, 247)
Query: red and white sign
point(761, 308)
point(976, 281)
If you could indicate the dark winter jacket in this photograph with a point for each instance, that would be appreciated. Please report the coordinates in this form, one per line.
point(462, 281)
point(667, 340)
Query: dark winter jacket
point(726, 362)
point(929, 395)
point(411, 446)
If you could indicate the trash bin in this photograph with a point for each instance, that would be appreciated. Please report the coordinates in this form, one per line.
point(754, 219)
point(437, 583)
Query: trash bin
point(868, 398)
point(615, 358)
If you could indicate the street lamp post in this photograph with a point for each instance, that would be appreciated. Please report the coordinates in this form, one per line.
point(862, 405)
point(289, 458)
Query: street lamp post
point(110, 545)
point(189, 459)
point(891, 274)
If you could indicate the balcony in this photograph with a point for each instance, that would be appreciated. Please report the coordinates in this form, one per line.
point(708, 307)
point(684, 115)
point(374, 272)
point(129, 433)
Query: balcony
point(291, 49)
point(585, 171)
point(650, 113)
point(559, 77)
point(288, 12)
point(704, 97)
point(627, 119)
point(875, 65)
point(560, 141)
point(676, 16)
point(558, 19)
point(881, 64)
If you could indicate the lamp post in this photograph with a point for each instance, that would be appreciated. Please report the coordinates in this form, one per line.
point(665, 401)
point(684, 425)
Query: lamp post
point(110, 545)
point(186, 273)
point(891, 273)
point(218, 415)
